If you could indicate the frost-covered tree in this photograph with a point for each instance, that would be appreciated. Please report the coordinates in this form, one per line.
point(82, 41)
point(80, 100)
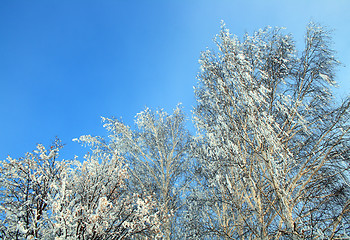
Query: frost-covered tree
point(26, 190)
point(271, 158)
point(94, 203)
point(45, 198)
point(273, 149)
point(157, 153)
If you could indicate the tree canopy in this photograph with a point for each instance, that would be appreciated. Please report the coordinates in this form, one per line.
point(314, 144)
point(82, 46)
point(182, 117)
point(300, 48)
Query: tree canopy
point(270, 159)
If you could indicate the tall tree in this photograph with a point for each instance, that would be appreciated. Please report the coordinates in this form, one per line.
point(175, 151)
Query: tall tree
point(274, 148)
point(157, 153)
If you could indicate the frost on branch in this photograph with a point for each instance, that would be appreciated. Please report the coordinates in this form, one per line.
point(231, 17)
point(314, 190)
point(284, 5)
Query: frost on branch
point(274, 147)
point(157, 153)
point(43, 198)
point(27, 186)
point(94, 203)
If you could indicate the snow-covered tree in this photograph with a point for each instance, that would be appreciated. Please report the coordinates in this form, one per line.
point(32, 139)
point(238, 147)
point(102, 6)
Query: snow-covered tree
point(26, 190)
point(94, 203)
point(43, 198)
point(157, 153)
point(271, 158)
point(273, 149)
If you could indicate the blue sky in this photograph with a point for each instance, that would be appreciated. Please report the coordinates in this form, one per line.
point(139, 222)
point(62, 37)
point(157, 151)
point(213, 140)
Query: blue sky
point(66, 63)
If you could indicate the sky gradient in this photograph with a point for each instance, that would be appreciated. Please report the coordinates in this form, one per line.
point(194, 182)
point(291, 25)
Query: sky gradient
point(64, 64)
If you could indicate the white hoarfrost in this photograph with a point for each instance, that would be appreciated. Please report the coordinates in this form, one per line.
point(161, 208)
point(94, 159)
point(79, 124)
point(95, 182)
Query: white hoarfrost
point(43, 198)
point(272, 146)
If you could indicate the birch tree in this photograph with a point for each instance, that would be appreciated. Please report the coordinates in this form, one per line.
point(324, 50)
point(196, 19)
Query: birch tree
point(273, 145)
point(157, 153)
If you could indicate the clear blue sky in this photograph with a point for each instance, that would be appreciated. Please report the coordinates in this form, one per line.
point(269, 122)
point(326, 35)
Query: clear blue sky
point(66, 63)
